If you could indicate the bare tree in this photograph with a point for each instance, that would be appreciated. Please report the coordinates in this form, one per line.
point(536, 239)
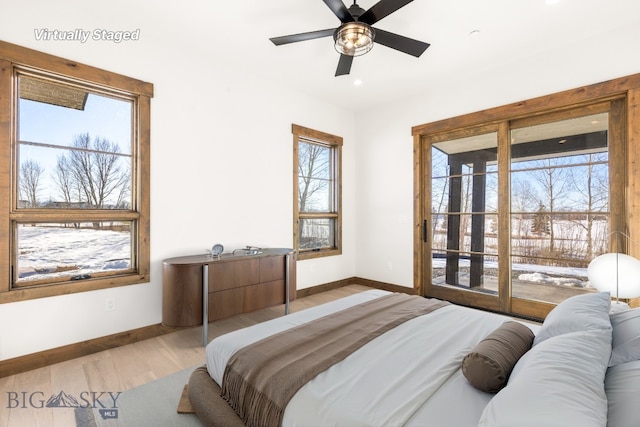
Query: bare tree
point(313, 164)
point(91, 175)
point(553, 178)
point(95, 169)
point(30, 174)
point(64, 181)
point(591, 192)
point(523, 200)
point(439, 190)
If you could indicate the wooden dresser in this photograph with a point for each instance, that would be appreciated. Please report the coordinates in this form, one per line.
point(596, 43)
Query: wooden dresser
point(234, 284)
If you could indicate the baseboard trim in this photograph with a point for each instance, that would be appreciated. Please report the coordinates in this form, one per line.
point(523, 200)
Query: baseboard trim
point(301, 293)
point(60, 354)
point(384, 286)
point(72, 351)
point(354, 281)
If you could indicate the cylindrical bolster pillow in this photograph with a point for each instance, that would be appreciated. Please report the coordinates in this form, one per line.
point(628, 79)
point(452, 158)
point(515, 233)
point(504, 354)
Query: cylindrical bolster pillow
point(490, 363)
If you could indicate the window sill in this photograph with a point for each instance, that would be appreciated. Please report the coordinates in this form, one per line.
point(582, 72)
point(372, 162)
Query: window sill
point(318, 254)
point(28, 293)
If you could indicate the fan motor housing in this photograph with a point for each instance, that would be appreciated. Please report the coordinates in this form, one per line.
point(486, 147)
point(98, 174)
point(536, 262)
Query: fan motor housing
point(356, 11)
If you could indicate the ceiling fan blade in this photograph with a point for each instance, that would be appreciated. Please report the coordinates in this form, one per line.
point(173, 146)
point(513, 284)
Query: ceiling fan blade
point(401, 43)
point(382, 9)
point(340, 10)
point(293, 38)
point(344, 65)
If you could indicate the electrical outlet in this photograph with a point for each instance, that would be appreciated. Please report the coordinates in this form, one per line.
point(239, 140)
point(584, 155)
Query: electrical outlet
point(110, 304)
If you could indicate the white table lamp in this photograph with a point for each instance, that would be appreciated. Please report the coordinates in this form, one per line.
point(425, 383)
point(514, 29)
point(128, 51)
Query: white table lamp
point(616, 273)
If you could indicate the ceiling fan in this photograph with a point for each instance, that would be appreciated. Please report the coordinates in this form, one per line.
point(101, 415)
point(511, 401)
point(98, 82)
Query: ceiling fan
point(355, 36)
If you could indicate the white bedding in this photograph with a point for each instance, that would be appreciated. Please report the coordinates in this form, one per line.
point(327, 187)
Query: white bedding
point(408, 376)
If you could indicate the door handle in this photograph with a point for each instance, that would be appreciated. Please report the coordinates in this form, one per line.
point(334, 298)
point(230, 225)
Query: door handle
point(424, 230)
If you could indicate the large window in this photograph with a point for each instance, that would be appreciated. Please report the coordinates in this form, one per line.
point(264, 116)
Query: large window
point(75, 164)
point(513, 203)
point(317, 219)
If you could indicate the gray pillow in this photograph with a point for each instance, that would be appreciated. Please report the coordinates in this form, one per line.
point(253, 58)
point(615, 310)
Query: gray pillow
point(558, 383)
point(490, 363)
point(626, 336)
point(622, 385)
point(586, 312)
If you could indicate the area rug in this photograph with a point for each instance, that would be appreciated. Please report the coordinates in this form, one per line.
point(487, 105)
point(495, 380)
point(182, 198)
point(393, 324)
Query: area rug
point(152, 404)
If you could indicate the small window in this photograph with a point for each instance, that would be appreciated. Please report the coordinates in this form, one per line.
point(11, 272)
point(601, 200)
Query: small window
point(77, 175)
point(317, 212)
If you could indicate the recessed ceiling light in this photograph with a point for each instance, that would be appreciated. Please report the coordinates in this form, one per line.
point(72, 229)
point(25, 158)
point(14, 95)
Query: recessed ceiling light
point(594, 122)
point(474, 33)
point(357, 82)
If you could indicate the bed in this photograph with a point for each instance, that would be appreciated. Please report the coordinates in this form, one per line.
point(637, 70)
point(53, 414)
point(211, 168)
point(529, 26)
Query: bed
point(451, 366)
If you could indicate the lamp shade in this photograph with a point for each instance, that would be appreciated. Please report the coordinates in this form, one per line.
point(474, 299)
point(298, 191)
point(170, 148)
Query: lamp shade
point(616, 273)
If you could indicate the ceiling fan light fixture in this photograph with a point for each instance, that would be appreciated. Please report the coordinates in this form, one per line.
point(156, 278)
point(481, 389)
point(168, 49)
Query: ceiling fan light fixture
point(354, 38)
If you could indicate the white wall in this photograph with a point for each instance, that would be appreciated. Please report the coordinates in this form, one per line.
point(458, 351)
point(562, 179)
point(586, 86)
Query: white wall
point(221, 172)
point(385, 145)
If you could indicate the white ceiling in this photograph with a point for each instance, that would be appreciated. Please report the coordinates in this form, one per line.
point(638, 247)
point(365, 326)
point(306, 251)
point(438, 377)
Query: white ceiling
point(235, 33)
point(508, 30)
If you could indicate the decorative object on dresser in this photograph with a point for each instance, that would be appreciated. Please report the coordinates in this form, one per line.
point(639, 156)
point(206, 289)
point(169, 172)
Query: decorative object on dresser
point(235, 283)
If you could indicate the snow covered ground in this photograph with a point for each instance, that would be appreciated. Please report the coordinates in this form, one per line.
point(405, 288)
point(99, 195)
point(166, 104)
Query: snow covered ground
point(561, 276)
point(56, 251)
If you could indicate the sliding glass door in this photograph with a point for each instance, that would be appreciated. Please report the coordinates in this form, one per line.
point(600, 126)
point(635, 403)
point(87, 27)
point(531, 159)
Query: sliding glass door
point(518, 208)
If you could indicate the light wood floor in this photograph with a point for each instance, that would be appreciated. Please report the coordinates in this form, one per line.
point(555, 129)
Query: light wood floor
point(124, 367)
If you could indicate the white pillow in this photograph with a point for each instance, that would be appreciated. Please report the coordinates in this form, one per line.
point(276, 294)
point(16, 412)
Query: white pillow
point(577, 313)
point(558, 383)
point(622, 385)
point(626, 336)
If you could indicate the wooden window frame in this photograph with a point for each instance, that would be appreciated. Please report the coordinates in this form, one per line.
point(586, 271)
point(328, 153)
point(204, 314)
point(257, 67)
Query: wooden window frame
point(623, 97)
point(12, 58)
point(335, 143)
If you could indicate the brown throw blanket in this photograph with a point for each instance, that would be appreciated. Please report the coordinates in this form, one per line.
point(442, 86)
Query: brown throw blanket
point(260, 379)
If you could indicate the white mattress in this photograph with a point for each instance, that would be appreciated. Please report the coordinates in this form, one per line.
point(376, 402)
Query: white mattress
point(408, 376)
